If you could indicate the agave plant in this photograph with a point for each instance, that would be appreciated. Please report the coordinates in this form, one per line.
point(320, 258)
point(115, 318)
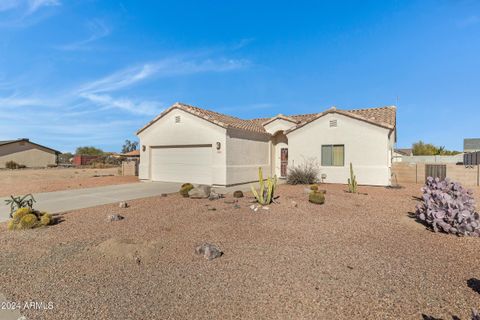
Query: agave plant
point(265, 195)
point(448, 207)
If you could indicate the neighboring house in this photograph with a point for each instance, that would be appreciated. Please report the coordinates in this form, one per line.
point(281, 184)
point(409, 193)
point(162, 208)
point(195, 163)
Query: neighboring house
point(27, 153)
point(132, 154)
point(398, 154)
point(471, 145)
point(189, 144)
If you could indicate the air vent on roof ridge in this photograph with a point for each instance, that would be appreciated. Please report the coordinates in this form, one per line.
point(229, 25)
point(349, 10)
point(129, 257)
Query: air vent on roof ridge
point(333, 123)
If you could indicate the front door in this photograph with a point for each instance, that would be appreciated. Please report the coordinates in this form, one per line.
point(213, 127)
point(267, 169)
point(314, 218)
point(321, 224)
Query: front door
point(283, 161)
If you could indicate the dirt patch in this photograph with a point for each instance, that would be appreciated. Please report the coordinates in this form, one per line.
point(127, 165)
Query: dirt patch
point(25, 181)
point(356, 256)
point(127, 249)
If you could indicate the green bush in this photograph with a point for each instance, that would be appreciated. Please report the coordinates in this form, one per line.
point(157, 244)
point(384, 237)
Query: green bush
point(316, 197)
point(306, 173)
point(185, 188)
point(11, 165)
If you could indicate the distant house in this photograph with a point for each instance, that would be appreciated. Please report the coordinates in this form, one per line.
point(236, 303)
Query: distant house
point(27, 153)
point(398, 154)
point(471, 145)
point(190, 144)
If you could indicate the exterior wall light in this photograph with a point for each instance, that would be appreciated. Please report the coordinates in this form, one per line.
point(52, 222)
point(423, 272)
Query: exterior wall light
point(144, 148)
point(219, 145)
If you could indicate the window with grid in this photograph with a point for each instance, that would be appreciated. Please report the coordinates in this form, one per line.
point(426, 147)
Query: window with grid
point(333, 155)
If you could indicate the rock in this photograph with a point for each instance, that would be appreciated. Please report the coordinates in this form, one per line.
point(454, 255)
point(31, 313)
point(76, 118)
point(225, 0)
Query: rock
point(230, 201)
point(266, 208)
point(236, 206)
point(200, 192)
point(215, 196)
point(123, 204)
point(209, 251)
point(212, 209)
point(114, 217)
point(294, 204)
point(254, 207)
point(163, 195)
point(238, 194)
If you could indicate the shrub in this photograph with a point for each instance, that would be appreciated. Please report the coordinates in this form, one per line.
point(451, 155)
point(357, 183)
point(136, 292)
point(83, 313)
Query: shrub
point(185, 188)
point(448, 207)
point(306, 173)
point(11, 165)
point(265, 195)
point(316, 197)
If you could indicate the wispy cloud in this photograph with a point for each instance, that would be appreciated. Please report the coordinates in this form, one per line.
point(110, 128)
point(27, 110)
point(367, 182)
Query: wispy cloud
point(34, 5)
point(6, 5)
point(97, 29)
point(163, 68)
point(140, 107)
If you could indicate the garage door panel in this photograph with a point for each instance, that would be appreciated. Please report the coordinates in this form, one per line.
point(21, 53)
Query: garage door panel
point(182, 164)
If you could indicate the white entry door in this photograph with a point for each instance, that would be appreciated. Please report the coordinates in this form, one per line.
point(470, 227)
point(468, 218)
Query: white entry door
point(182, 164)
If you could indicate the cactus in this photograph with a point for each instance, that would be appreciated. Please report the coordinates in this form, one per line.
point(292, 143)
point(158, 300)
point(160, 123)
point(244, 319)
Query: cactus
point(314, 187)
point(265, 195)
point(448, 207)
point(46, 219)
point(28, 222)
point(16, 203)
point(185, 188)
point(20, 213)
point(352, 181)
point(316, 197)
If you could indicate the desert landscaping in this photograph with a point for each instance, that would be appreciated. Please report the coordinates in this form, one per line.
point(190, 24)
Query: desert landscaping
point(360, 256)
point(16, 182)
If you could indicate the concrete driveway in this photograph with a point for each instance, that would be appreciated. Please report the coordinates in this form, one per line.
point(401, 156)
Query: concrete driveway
point(61, 201)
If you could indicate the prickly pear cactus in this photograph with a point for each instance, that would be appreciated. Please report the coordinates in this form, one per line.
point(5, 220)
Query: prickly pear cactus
point(448, 207)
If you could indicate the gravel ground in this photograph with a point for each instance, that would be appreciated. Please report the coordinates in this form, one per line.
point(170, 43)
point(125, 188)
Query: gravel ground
point(56, 179)
point(356, 257)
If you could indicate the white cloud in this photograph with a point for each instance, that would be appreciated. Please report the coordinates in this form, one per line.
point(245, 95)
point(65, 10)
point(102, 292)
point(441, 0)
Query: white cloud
point(98, 30)
point(163, 68)
point(34, 5)
point(142, 107)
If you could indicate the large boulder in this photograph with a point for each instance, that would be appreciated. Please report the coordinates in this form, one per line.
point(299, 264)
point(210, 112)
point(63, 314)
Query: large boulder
point(200, 192)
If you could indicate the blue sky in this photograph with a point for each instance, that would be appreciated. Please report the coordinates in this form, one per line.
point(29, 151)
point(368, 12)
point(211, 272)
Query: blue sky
point(90, 72)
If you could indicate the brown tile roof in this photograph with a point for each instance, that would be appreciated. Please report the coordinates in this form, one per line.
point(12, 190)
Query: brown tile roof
point(384, 117)
point(134, 153)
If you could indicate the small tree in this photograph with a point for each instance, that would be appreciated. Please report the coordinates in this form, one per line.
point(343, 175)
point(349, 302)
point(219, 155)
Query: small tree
point(129, 146)
point(65, 157)
point(89, 151)
point(421, 148)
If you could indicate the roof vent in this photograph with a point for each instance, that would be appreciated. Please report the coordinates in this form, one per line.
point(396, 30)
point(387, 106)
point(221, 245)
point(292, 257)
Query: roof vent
point(333, 123)
point(178, 119)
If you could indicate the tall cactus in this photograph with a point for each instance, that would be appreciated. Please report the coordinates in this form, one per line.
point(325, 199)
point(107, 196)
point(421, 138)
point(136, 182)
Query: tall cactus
point(265, 195)
point(352, 181)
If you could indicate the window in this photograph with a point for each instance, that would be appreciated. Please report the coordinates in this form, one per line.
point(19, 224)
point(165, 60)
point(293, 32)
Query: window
point(333, 123)
point(177, 119)
point(333, 155)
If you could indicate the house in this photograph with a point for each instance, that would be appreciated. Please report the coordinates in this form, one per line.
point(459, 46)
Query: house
point(190, 144)
point(27, 153)
point(398, 154)
point(471, 145)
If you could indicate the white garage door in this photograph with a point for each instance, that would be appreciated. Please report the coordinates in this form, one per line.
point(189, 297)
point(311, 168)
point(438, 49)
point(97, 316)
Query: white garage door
point(182, 164)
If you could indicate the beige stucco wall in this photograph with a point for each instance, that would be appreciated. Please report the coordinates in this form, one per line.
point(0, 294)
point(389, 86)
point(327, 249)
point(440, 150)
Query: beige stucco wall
point(278, 125)
point(246, 152)
point(192, 130)
point(27, 154)
point(366, 147)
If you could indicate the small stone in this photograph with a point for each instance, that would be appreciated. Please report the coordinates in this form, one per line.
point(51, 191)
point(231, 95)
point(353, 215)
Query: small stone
point(114, 217)
point(200, 192)
point(215, 196)
point(266, 208)
point(137, 260)
point(212, 209)
point(238, 194)
point(123, 205)
point(236, 206)
point(294, 204)
point(209, 251)
point(163, 195)
point(230, 201)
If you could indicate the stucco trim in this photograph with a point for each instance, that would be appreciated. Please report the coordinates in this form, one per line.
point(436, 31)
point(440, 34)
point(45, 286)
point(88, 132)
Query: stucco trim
point(344, 113)
point(182, 146)
point(282, 117)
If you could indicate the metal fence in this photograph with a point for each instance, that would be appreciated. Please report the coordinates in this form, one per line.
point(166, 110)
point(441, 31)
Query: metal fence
point(471, 159)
